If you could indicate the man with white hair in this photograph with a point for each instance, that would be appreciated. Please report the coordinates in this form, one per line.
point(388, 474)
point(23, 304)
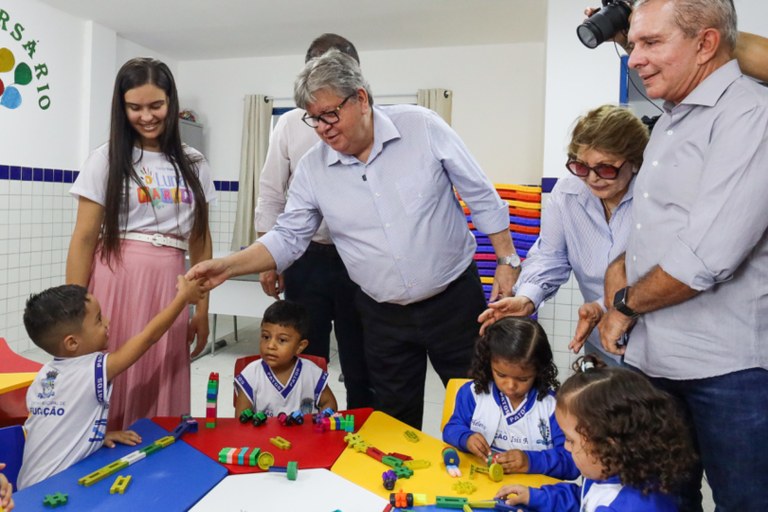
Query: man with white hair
point(693, 284)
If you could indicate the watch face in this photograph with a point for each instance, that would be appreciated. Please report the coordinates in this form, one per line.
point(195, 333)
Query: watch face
point(512, 260)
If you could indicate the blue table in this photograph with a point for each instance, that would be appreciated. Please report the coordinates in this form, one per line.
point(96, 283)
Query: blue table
point(174, 478)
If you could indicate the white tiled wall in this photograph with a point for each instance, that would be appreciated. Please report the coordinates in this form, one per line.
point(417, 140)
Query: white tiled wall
point(36, 223)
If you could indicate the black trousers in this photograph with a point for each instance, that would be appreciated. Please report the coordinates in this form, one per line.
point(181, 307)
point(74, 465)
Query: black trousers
point(398, 340)
point(319, 281)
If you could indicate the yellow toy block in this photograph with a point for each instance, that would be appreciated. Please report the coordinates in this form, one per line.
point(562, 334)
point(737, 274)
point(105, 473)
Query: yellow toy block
point(165, 441)
point(120, 484)
point(281, 443)
point(102, 473)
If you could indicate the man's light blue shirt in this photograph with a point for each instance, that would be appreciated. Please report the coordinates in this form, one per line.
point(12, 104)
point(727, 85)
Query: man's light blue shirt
point(701, 214)
point(395, 220)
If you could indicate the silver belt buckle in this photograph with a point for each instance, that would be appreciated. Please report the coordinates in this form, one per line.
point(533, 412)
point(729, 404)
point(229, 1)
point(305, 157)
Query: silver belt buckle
point(158, 240)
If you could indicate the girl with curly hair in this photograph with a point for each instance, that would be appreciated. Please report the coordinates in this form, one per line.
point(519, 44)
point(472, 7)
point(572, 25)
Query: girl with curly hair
point(507, 411)
point(627, 439)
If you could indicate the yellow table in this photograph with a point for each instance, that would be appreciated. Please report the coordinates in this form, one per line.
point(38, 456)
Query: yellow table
point(388, 435)
point(11, 381)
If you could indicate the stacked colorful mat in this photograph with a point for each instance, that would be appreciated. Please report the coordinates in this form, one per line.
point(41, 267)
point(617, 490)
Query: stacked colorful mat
point(524, 223)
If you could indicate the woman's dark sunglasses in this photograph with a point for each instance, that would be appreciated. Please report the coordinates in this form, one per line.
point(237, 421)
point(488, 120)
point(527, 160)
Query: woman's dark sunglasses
point(604, 171)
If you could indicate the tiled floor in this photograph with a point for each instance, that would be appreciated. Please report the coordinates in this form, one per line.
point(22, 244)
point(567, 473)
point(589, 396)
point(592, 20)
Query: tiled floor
point(223, 362)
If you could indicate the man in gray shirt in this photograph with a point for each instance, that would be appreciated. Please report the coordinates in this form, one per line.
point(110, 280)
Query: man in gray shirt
point(697, 259)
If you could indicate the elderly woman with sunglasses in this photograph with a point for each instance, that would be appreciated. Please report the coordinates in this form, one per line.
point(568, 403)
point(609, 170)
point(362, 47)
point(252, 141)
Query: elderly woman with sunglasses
point(585, 224)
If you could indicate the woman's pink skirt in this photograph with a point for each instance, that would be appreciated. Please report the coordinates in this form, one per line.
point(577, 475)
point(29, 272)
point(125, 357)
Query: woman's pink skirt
point(131, 294)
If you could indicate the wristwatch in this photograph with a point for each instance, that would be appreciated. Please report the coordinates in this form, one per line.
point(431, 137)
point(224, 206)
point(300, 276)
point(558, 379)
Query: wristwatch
point(620, 303)
point(513, 260)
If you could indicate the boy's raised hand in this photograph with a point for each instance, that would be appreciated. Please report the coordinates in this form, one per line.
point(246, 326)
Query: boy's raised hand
point(192, 290)
point(6, 490)
point(128, 437)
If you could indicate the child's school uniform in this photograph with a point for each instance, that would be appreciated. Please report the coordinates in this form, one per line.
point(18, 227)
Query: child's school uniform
point(598, 496)
point(269, 396)
point(531, 427)
point(68, 403)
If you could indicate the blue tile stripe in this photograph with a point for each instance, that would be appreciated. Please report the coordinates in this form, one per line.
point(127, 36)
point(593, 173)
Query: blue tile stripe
point(226, 186)
point(19, 173)
point(547, 184)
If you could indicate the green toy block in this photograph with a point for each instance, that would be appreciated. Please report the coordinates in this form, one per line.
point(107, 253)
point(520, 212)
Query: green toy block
point(55, 500)
point(152, 448)
point(450, 502)
point(403, 472)
point(392, 462)
point(254, 456)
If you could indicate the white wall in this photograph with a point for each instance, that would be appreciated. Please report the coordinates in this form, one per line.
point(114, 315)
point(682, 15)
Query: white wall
point(60, 46)
point(497, 103)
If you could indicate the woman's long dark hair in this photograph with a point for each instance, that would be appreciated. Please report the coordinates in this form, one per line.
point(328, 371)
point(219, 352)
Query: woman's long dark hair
point(122, 140)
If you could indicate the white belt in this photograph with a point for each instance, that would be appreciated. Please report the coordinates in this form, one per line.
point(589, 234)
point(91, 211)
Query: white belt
point(157, 240)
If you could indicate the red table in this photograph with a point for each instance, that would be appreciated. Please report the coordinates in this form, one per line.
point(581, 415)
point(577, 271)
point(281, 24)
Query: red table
point(309, 448)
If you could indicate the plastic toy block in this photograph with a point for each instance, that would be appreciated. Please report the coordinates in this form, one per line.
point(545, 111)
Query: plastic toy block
point(223, 454)
point(464, 487)
point(120, 484)
point(375, 453)
point(417, 464)
point(466, 508)
point(134, 457)
point(291, 470)
point(102, 473)
point(450, 456)
point(483, 504)
point(403, 472)
point(187, 425)
point(152, 448)
point(294, 418)
point(450, 502)
point(165, 441)
point(55, 500)
point(411, 436)
point(280, 442)
point(253, 456)
point(401, 499)
point(265, 460)
point(495, 471)
point(247, 415)
point(400, 456)
point(241, 456)
point(392, 462)
point(388, 479)
point(210, 424)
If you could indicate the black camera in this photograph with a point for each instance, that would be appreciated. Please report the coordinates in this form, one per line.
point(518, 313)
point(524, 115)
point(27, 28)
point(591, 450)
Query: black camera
point(605, 23)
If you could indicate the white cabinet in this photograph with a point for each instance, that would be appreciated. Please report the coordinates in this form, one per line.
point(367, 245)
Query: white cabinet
point(192, 134)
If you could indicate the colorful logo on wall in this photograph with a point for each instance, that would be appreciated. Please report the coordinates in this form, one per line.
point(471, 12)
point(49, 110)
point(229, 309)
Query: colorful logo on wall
point(21, 74)
point(18, 69)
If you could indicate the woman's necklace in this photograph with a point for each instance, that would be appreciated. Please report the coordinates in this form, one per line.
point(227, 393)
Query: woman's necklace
point(608, 210)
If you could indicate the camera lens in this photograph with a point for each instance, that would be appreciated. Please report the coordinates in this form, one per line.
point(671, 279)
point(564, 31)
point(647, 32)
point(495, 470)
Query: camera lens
point(604, 24)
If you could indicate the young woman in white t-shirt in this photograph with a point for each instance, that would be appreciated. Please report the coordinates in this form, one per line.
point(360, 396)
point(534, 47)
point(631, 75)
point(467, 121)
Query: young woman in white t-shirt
point(142, 202)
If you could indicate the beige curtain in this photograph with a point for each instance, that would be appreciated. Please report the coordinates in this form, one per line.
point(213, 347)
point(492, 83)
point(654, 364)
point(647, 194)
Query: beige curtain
point(257, 120)
point(439, 100)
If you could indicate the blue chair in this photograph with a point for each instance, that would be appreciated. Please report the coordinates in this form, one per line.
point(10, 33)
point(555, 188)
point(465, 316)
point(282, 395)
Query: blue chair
point(12, 451)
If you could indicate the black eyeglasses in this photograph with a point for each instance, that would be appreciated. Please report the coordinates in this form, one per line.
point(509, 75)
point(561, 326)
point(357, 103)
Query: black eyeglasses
point(604, 171)
point(329, 118)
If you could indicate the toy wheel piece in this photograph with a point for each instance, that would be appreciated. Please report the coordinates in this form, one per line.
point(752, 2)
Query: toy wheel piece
point(265, 461)
point(292, 470)
point(496, 472)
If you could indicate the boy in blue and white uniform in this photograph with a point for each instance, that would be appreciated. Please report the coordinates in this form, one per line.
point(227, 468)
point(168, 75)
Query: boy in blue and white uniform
point(281, 381)
point(68, 401)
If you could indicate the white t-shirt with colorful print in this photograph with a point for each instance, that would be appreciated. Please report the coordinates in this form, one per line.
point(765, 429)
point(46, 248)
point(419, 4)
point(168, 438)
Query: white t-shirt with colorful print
point(166, 207)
